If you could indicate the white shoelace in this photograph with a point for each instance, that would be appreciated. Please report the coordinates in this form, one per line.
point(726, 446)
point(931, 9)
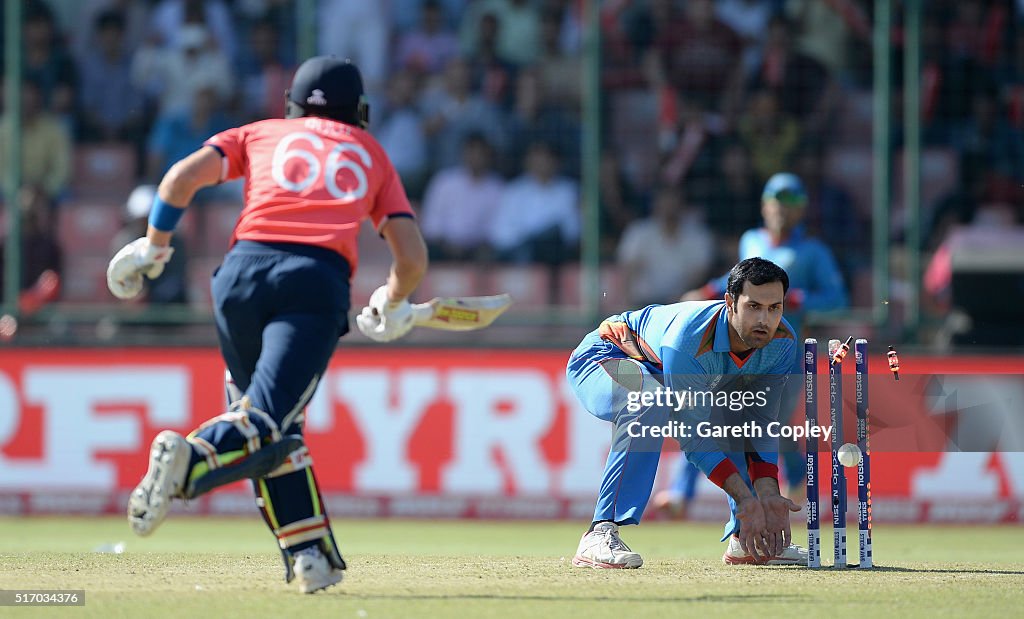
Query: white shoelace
point(615, 542)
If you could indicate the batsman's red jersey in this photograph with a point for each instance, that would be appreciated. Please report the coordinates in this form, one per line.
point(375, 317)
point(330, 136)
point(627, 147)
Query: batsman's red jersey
point(310, 181)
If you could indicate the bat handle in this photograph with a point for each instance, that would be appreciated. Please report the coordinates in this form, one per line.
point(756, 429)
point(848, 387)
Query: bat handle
point(422, 312)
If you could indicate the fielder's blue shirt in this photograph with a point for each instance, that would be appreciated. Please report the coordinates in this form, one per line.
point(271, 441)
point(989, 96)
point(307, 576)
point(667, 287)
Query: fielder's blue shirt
point(688, 344)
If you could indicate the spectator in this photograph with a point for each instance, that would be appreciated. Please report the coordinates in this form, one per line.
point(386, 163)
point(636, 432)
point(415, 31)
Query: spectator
point(358, 30)
point(264, 75)
point(697, 57)
point(960, 206)
point(832, 215)
point(41, 256)
point(519, 35)
point(950, 81)
point(534, 121)
point(989, 138)
point(406, 14)
point(627, 33)
point(770, 136)
point(176, 136)
point(1010, 70)
point(827, 30)
point(815, 282)
point(173, 76)
point(135, 17)
point(47, 62)
point(171, 19)
point(560, 73)
point(400, 132)
point(667, 252)
point(45, 144)
point(749, 19)
point(460, 203)
point(619, 204)
point(569, 14)
point(731, 197)
point(684, 145)
point(801, 83)
point(974, 32)
point(428, 48)
point(492, 77)
point(644, 23)
point(172, 285)
point(281, 15)
point(452, 110)
point(538, 217)
point(111, 108)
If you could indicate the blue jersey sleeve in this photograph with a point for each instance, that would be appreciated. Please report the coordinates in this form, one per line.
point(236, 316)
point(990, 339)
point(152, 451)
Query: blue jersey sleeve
point(826, 291)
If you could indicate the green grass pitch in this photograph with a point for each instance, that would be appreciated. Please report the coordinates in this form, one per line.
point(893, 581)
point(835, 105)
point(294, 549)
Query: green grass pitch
point(229, 567)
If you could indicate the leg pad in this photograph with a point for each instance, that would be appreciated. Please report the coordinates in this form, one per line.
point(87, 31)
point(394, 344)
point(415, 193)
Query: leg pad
point(257, 464)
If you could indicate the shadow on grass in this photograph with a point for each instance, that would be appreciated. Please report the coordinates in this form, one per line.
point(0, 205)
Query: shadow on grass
point(714, 599)
point(896, 569)
point(925, 570)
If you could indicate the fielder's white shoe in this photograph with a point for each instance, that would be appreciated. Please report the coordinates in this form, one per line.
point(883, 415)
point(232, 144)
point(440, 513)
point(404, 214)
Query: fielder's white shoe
point(169, 456)
point(735, 555)
point(603, 548)
point(314, 571)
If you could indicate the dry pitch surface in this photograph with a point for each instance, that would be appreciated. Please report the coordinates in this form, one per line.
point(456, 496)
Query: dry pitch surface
point(196, 567)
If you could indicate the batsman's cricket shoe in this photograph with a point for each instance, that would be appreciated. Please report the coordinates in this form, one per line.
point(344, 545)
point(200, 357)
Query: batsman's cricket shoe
point(602, 548)
point(169, 456)
point(313, 571)
point(735, 555)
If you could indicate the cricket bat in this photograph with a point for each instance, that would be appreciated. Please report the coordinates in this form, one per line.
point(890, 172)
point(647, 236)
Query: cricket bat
point(460, 313)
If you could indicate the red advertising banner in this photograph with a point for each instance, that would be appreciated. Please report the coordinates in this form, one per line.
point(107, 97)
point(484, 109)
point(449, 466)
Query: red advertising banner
point(405, 432)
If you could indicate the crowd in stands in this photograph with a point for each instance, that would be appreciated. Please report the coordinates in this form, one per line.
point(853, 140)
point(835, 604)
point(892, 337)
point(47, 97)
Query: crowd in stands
point(478, 102)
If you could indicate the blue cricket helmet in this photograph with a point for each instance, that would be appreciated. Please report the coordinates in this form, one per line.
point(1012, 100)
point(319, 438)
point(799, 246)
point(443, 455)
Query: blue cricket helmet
point(330, 87)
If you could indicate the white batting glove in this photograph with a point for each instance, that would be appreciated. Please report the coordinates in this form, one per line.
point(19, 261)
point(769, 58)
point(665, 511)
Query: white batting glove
point(382, 320)
point(138, 258)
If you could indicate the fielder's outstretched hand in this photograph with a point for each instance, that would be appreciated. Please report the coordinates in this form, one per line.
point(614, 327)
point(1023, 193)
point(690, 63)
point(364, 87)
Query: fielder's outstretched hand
point(776, 514)
point(383, 320)
point(752, 529)
point(138, 258)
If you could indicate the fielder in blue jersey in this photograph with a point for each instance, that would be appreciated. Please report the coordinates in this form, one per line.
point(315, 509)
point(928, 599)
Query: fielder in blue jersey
point(740, 345)
point(815, 285)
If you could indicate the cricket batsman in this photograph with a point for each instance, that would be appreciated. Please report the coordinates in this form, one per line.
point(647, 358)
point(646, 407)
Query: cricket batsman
point(281, 301)
point(739, 345)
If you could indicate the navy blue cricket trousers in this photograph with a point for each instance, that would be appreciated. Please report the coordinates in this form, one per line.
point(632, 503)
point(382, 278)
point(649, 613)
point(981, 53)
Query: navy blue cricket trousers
point(280, 309)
